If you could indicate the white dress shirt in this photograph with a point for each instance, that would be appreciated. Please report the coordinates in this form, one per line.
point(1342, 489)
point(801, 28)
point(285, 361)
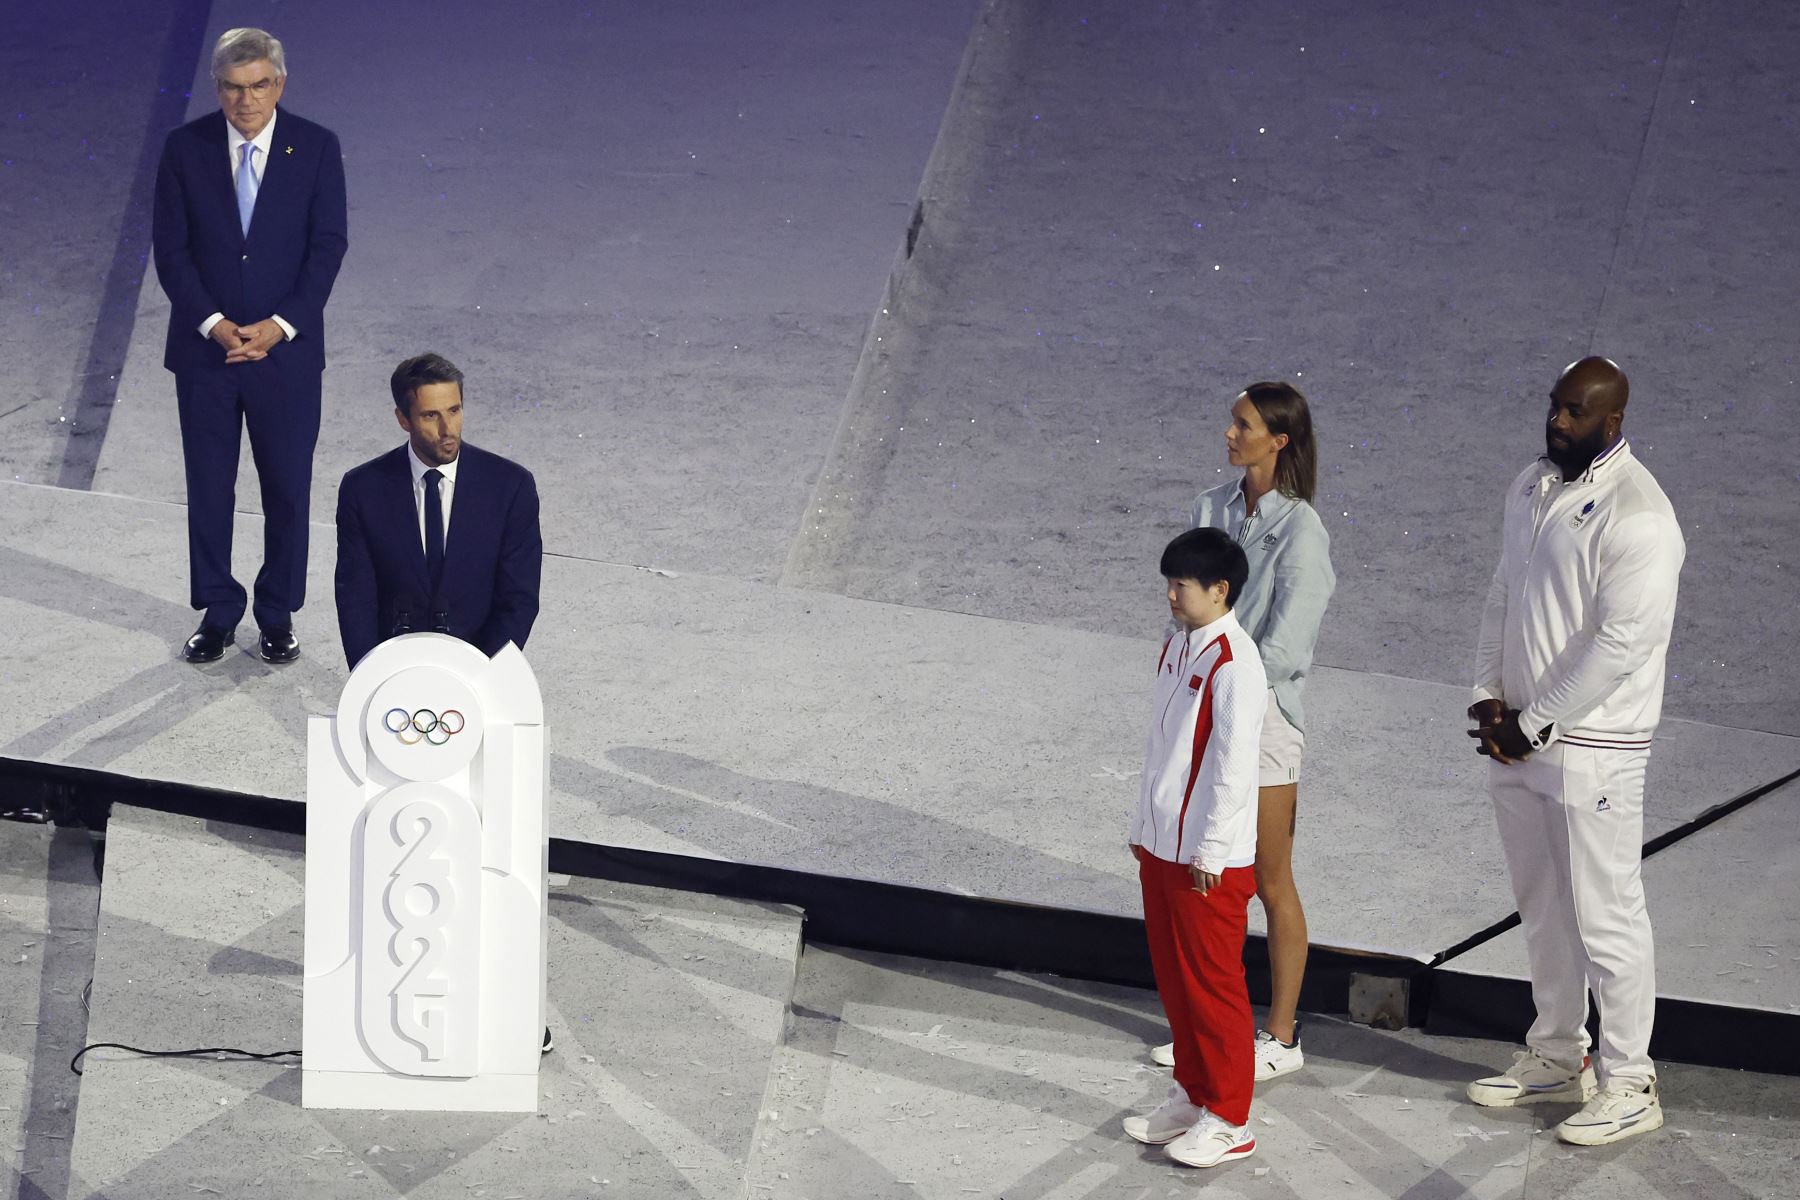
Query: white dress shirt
point(446, 491)
point(259, 161)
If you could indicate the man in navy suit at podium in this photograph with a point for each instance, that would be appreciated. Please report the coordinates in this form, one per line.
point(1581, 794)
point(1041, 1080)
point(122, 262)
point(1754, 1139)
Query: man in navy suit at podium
point(249, 231)
point(436, 534)
point(403, 565)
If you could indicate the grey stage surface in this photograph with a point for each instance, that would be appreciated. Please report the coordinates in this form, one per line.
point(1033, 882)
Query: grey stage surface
point(791, 728)
point(851, 551)
point(700, 1055)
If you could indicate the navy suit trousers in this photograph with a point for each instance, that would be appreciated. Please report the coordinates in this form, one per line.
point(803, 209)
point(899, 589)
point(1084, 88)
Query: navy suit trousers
point(279, 404)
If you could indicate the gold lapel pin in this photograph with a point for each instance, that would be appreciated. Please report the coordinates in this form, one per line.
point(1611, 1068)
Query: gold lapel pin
point(290, 149)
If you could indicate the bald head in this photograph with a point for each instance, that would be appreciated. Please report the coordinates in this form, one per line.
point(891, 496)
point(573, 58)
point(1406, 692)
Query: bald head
point(1599, 380)
point(1587, 413)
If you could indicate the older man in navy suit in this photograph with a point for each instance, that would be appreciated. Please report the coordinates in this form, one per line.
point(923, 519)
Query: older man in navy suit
point(249, 232)
point(436, 534)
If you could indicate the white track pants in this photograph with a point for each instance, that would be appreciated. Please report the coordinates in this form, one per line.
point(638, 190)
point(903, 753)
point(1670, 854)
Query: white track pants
point(1572, 823)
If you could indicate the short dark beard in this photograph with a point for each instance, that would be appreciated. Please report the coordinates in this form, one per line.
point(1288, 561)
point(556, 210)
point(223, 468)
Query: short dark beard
point(1577, 456)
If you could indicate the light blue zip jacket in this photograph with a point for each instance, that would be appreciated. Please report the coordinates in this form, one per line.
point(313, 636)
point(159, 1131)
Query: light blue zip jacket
point(1290, 581)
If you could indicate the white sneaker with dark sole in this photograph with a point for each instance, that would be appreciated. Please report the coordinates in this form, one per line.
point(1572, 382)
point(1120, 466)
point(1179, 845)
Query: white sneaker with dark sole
point(1533, 1079)
point(1172, 1118)
point(1163, 1055)
point(1212, 1141)
point(1275, 1058)
point(1614, 1114)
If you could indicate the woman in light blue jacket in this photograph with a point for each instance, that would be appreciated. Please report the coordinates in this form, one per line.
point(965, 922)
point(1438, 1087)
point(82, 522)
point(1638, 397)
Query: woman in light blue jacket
point(1269, 511)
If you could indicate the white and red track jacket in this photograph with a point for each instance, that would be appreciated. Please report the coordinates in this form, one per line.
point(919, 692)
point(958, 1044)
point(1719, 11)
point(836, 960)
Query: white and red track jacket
point(1198, 804)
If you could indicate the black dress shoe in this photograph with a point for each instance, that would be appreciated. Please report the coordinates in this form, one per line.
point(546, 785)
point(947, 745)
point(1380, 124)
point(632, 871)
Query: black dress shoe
point(549, 1042)
point(208, 644)
point(278, 645)
point(36, 814)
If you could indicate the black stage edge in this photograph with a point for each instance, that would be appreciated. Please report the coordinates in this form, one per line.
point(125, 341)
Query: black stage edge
point(1712, 1035)
point(887, 918)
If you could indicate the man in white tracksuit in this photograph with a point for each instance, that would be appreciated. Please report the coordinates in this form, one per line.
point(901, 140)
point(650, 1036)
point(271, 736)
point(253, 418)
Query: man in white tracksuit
point(1568, 690)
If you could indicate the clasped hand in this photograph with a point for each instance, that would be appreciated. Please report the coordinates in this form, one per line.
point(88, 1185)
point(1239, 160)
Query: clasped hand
point(1497, 733)
point(246, 343)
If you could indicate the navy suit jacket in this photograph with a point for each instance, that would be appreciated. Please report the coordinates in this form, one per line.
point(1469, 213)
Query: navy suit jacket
point(287, 264)
point(493, 554)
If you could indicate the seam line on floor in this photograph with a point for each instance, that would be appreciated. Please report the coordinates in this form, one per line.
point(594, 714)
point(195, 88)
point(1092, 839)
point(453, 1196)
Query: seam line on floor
point(1654, 846)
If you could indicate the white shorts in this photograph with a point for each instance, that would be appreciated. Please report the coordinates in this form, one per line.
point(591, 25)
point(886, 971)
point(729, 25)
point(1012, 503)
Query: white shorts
point(1278, 755)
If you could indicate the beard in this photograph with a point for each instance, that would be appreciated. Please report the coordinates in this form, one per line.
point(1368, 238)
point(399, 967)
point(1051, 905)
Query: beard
point(1574, 456)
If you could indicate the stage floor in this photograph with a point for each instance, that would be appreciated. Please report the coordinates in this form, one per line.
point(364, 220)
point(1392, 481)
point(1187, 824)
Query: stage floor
point(866, 357)
point(667, 1008)
point(674, 1075)
point(770, 725)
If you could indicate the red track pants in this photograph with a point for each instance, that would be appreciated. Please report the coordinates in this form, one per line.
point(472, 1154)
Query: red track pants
point(1197, 952)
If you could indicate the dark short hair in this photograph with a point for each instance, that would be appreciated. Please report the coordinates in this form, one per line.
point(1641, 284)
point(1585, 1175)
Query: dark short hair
point(1206, 556)
point(416, 372)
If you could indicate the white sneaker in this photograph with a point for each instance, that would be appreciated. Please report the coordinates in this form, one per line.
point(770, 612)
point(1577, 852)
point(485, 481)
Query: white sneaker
point(1212, 1141)
point(1613, 1115)
point(1163, 1055)
point(1533, 1079)
point(1172, 1118)
point(1275, 1058)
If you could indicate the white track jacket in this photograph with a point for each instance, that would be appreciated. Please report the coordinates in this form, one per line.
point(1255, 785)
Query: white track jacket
point(1198, 802)
point(1576, 628)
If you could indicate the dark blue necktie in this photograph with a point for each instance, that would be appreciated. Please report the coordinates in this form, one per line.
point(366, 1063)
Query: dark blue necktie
point(434, 527)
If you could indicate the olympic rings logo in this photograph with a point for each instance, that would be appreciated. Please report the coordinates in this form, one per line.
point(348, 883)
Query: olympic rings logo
point(432, 728)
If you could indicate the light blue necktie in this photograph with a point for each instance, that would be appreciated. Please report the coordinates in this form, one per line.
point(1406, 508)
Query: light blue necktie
point(246, 187)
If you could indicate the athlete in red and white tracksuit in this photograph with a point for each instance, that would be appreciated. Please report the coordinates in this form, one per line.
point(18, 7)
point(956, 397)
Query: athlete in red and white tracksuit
point(1198, 809)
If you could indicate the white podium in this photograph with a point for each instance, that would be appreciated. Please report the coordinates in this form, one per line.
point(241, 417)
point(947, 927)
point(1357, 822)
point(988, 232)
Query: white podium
point(426, 883)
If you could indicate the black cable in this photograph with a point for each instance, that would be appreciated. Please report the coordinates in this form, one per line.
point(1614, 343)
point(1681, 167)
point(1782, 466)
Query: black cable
point(243, 1055)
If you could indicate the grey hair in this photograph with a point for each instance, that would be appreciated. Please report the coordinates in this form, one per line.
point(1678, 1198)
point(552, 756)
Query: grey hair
point(239, 46)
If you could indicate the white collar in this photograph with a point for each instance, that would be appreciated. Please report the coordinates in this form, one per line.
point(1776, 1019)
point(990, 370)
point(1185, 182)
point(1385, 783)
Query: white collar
point(448, 470)
point(261, 141)
point(1614, 454)
point(1212, 629)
